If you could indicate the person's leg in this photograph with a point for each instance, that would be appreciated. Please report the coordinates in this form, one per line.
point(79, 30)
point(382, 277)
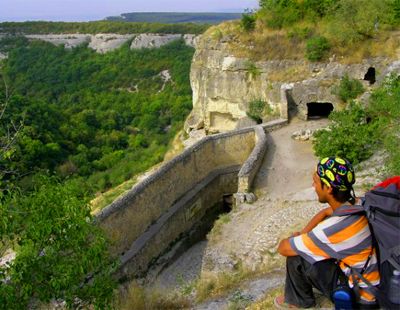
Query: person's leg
point(302, 276)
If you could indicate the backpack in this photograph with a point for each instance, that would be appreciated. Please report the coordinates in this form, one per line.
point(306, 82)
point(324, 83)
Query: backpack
point(381, 205)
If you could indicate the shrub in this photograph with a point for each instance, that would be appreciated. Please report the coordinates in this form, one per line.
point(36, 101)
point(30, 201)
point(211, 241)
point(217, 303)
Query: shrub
point(349, 135)
point(256, 110)
point(348, 89)
point(384, 108)
point(316, 48)
point(248, 21)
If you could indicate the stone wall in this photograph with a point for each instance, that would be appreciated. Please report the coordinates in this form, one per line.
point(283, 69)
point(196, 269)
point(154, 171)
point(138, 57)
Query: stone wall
point(159, 209)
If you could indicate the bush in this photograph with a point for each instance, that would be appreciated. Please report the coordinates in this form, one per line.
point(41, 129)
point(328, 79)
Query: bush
point(248, 21)
point(384, 108)
point(349, 136)
point(256, 110)
point(355, 138)
point(348, 89)
point(316, 48)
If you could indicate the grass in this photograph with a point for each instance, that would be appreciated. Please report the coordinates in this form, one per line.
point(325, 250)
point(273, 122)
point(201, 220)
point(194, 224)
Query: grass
point(104, 199)
point(290, 43)
point(136, 297)
point(212, 285)
point(295, 73)
point(216, 231)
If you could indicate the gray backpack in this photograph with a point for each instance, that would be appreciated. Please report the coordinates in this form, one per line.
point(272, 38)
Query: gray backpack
point(381, 206)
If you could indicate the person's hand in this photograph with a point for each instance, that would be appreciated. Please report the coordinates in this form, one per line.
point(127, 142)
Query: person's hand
point(296, 233)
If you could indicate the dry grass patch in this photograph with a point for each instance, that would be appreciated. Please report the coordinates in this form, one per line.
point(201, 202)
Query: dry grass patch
point(137, 298)
point(215, 233)
point(212, 285)
point(292, 74)
point(104, 199)
point(289, 43)
point(384, 45)
point(268, 45)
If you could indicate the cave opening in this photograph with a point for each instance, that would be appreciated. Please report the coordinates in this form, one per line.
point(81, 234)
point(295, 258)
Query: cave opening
point(317, 110)
point(370, 75)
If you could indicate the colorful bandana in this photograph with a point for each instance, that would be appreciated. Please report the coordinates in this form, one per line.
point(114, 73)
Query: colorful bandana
point(336, 172)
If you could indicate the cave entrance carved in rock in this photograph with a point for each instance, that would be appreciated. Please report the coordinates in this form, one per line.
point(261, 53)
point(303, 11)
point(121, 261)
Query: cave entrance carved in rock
point(317, 110)
point(370, 75)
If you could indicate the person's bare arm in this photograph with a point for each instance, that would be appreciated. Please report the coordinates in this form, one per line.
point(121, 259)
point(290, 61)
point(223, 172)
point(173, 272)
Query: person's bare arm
point(318, 218)
point(285, 249)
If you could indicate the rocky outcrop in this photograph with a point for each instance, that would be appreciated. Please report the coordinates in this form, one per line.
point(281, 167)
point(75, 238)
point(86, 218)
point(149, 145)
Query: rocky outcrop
point(146, 40)
point(105, 42)
point(224, 85)
point(68, 40)
point(149, 40)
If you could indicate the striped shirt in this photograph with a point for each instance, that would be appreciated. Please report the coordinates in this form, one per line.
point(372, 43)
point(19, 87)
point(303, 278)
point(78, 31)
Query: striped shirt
point(345, 238)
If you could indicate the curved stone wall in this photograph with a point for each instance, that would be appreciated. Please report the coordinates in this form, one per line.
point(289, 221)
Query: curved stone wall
point(157, 210)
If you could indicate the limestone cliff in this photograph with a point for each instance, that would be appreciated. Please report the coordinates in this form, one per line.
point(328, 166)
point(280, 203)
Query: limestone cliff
point(105, 42)
point(224, 84)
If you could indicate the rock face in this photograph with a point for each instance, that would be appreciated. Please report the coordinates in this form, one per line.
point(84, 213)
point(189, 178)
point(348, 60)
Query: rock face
point(105, 42)
point(146, 40)
point(68, 40)
point(224, 85)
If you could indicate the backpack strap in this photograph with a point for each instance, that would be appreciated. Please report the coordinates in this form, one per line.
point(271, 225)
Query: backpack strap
point(394, 252)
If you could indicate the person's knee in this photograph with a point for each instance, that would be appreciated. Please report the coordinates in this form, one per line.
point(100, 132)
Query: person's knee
point(294, 263)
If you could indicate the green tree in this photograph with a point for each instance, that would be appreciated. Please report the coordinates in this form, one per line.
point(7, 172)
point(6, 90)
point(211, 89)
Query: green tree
point(60, 253)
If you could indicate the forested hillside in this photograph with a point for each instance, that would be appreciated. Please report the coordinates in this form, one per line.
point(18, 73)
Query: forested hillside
point(75, 123)
point(99, 118)
point(175, 17)
point(45, 27)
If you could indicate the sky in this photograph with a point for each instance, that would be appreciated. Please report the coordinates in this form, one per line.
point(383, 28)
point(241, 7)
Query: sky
point(85, 10)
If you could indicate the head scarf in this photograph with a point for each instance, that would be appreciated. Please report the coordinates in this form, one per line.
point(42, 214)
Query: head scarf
point(336, 172)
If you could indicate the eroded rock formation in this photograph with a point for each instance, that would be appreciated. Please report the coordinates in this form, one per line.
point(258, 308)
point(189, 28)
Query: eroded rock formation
point(224, 85)
point(105, 42)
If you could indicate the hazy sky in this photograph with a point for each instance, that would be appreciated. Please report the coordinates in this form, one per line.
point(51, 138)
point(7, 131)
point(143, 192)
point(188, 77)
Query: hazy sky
point(83, 10)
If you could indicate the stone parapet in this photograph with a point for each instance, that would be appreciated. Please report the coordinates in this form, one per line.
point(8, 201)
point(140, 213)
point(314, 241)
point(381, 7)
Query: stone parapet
point(159, 209)
point(128, 217)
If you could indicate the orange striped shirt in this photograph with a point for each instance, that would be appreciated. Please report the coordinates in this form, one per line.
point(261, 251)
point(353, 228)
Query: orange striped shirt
point(344, 238)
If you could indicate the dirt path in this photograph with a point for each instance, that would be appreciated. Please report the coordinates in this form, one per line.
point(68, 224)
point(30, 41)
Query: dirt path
point(289, 163)
point(253, 230)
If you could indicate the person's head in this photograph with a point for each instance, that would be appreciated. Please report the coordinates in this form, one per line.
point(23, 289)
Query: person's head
point(334, 176)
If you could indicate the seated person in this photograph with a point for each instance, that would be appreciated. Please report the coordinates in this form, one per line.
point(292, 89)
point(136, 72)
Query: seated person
point(328, 242)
